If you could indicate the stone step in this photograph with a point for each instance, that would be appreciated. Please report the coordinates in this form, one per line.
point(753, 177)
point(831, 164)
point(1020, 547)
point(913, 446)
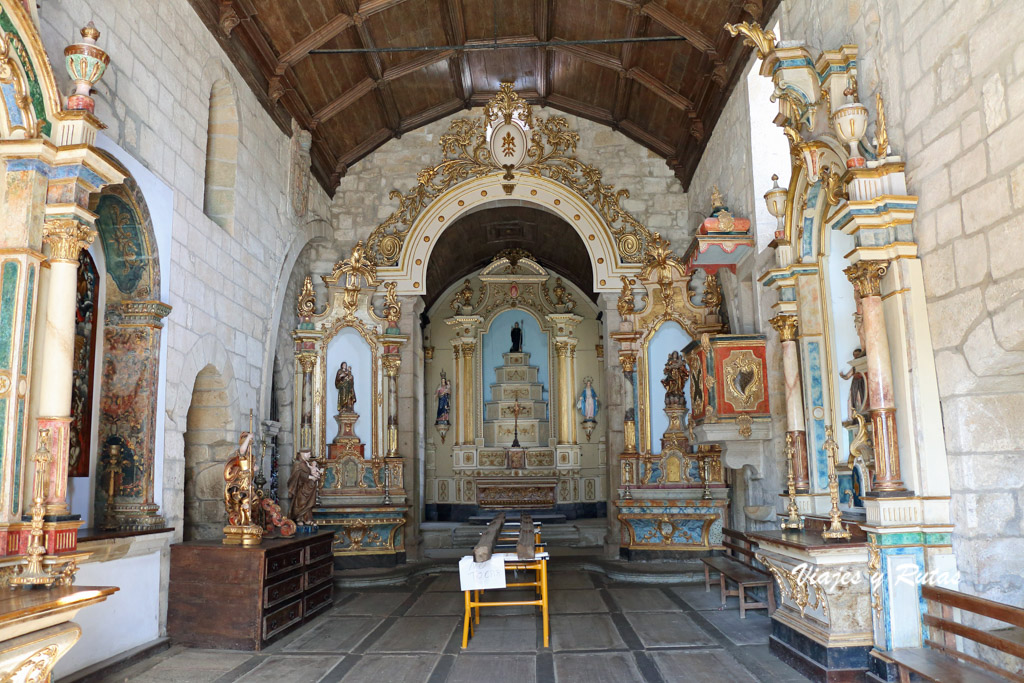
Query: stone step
point(513, 516)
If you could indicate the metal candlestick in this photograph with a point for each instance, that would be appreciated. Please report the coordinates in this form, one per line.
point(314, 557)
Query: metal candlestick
point(836, 528)
point(33, 573)
point(706, 476)
point(794, 520)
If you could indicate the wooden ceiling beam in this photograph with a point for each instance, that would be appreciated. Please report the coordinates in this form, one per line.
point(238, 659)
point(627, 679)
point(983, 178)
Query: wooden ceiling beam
point(301, 49)
point(454, 24)
point(644, 138)
point(346, 100)
point(636, 27)
point(375, 140)
point(658, 87)
point(415, 64)
point(587, 111)
point(589, 54)
point(375, 68)
point(542, 17)
point(438, 111)
point(679, 27)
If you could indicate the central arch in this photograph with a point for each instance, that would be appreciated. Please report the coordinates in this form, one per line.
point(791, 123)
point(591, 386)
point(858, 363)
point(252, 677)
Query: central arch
point(487, 191)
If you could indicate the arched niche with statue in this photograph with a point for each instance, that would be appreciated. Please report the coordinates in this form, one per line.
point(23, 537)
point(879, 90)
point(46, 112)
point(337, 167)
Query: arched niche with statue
point(674, 494)
point(346, 409)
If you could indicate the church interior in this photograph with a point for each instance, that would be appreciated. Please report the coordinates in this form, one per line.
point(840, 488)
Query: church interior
point(552, 340)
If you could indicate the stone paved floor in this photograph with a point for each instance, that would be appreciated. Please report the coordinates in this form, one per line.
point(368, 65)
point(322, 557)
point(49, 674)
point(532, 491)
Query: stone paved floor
point(601, 631)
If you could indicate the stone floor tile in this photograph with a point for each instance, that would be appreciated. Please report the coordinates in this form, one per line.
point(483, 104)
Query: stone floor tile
point(714, 666)
point(416, 634)
point(642, 600)
point(696, 597)
point(575, 602)
point(334, 634)
point(504, 634)
point(569, 580)
point(584, 632)
point(479, 669)
point(371, 604)
point(391, 669)
point(276, 668)
point(439, 604)
point(605, 667)
point(445, 582)
point(187, 666)
point(668, 629)
point(510, 596)
point(750, 631)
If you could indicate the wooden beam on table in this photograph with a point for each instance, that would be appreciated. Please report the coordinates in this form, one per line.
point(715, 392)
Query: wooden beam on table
point(485, 546)
point(526, 548)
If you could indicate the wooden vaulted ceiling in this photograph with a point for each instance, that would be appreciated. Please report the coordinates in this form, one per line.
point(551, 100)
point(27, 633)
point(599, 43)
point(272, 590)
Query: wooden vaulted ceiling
point(666, 96)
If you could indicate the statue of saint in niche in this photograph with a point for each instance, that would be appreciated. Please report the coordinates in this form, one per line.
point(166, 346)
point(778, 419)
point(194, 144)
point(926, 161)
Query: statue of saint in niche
point(517, 339)
point(302, 486)
point(345, 384)
point(675, 381)
point(587, 402)
point(444, 394)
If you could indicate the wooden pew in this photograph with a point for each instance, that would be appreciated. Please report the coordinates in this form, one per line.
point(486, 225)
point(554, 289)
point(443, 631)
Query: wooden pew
point(737, 566)
point(941, 660)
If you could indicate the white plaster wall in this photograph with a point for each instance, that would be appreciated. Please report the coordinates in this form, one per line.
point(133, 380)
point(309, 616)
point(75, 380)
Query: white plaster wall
point(127, 619)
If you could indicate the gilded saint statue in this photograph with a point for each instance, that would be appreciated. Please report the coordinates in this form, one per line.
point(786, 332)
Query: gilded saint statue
point(517, 339)
point(345, 384)
point(302, 487)
point(675, 380)
point(238, 491)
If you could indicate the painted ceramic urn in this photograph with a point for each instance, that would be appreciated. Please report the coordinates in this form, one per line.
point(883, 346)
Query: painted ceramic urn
point(85, 64)
point(775, 199)
point(851, 123)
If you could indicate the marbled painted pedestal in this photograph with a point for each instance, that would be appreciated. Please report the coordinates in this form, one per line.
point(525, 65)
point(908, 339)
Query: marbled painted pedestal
point(652, 528)
point(822, 627)
point(365, 535)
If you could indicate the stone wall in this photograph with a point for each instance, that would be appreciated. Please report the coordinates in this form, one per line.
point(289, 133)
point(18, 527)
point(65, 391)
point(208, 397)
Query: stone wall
point(656, 198)
point(225, 289)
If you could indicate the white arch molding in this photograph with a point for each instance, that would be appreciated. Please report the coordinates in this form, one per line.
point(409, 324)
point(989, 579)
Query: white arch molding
point(481, 192)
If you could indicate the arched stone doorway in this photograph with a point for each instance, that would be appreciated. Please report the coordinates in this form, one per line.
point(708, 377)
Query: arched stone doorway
point(209, 440)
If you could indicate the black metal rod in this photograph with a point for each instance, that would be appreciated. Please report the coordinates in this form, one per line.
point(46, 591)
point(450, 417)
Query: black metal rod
point(494, 46)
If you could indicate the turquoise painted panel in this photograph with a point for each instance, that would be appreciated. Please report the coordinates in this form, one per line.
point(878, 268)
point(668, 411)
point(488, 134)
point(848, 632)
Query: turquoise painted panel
point(121, 232)
point(28, 319)
point(8, 302)
point(818, 401)
point(18, 449)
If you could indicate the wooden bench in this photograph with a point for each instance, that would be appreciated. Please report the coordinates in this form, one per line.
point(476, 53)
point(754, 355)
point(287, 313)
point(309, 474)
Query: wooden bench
point(529, 556)
point(941, 660)
point(737, 566)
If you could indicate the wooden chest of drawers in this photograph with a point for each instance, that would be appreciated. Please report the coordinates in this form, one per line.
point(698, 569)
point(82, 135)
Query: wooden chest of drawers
point(232, 597)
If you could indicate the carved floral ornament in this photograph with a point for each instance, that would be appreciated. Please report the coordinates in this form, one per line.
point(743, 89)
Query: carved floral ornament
point(866, 277)
point(550, 147)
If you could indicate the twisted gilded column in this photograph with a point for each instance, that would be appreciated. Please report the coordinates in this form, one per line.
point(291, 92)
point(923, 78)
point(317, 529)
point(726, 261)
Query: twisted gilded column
point(786, 326)
point(66, 237)
point(866, 277)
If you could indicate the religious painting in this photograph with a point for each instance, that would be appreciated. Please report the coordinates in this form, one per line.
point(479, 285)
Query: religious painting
point(124, 227)
point(83, 365)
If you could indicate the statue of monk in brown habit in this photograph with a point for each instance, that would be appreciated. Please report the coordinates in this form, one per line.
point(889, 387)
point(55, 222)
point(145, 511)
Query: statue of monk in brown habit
point(302, 486)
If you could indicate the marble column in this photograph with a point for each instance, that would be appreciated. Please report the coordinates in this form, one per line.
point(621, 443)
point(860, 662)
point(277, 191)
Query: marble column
point(628, 362)
point(305, 440)
point(66, 238)
point(786, 326)
point(866, 278)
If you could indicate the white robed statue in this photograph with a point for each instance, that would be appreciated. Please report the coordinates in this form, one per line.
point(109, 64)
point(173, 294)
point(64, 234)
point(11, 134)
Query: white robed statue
point(587, 405)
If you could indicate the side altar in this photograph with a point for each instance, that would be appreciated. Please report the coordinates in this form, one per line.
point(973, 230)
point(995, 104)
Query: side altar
point(346, 412)
point(674, 487)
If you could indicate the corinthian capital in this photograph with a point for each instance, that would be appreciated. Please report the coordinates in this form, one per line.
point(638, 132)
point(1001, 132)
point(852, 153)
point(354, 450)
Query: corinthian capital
point(67, 238)
point(785, 324)
point(866, 277)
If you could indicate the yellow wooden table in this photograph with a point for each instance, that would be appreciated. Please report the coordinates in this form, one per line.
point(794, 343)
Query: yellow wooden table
point(539, 565)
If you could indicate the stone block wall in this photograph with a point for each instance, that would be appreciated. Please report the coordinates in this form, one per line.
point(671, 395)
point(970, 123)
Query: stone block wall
point(155, 100)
